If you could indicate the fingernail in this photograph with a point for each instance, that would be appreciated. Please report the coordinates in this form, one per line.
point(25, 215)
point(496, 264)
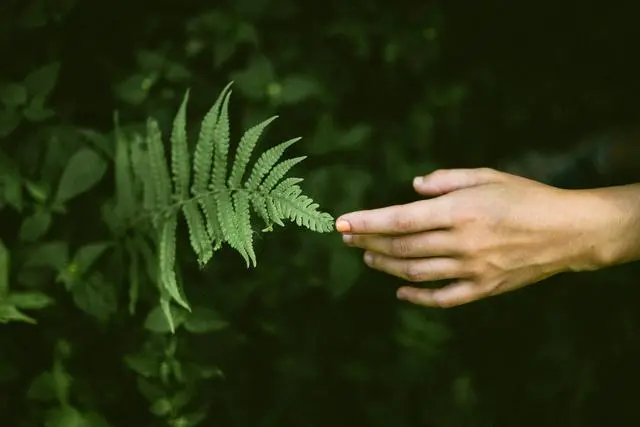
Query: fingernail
point(343, 226)
point(402, 294)
point(418, 180)
point(368, 257)
point(347, 238)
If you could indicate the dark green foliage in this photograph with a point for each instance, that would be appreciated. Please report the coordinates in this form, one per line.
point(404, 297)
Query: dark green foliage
point(100, 215)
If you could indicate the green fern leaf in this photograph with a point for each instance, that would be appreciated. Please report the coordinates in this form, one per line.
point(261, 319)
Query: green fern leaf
point(259, 206)
point(204, 147)
point(244, 150)
point(294, 205)
point(198, 236)
point(229, 224)
point(274, 211)
point(202, 166)
point(243, 225)
point(124, 184)
point(180, 167)
point(142, 169)
point(278, 172)
point(221, 147)
point(167, 259)
point(214, 230)
point(158, 165)
point(265, 162)
point(287, 183)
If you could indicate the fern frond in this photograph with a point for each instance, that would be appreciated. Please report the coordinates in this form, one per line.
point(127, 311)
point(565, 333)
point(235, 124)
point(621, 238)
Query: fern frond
point(167, 259)
point(221, 147)
point(287, 183)
point(241, 204)
point(202, 165)
point(243, 153)
point(216, 200)
point(203, 156)
point(180, 166)
point(265, 163)
point(158, 165)
point(294, 205)
point(198, 236)
point(278, 172)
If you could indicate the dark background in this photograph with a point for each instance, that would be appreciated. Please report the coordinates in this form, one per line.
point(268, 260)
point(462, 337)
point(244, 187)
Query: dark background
point(380, 91)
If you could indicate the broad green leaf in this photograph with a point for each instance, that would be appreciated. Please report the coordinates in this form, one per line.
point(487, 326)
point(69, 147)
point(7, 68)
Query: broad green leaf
point(66, 416)
point(42, 388)
point(176, 73)
point(5, 263)
point(9, 121)
point(156, 320)
point(87, 255)
point(161, 407)
point(13, 94)
point(145, 363)
point(11, 187)
point(36, 111)
point(149, 390)
point(37, 191)
point(96, 297)
point(297, 88)
point(83, 171)
point(9, 313)
point(35, 226)
point(254, 80)
point(203, 320)
point(41, 81)
point(29, 300)
point(135, 89)
point(52, 254)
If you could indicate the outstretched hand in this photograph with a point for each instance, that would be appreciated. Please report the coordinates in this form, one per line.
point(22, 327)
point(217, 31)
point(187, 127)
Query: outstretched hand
point(488, 232)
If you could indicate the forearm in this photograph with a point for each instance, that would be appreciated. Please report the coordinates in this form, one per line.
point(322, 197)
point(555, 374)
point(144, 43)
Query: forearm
point(616, 224)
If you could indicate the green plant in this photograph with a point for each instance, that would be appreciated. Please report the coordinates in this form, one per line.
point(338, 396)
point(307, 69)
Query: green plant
point(214, 199)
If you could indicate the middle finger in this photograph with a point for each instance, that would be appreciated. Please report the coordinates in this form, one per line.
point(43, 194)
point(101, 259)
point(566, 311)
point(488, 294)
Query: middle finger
point(417, 245)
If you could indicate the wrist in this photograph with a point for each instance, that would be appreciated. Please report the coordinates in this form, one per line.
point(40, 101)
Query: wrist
point(611, 232)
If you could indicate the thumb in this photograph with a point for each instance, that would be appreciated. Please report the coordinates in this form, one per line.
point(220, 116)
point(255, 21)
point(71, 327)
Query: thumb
point(447, 180)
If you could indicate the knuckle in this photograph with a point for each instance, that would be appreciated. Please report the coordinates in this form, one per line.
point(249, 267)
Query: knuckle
point(469, 247)
point(413, 273)
point(403, 222)
point(400, 247)
point(475, 270)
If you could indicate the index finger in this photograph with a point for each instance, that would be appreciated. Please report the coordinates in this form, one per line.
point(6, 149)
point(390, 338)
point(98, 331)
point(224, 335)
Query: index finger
point(414, 217)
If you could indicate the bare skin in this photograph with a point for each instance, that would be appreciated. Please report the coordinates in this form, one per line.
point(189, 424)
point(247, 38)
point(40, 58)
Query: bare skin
point(491, 232)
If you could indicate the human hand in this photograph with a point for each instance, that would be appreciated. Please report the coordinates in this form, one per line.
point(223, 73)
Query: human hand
point(487, 231)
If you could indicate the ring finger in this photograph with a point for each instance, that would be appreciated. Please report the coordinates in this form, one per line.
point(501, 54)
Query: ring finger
point(416, 269)
point(417, 245)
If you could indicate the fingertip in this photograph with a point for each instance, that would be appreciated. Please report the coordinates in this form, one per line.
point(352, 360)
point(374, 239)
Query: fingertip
point(418, 296)
point(343, 226)
point(402, 294)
